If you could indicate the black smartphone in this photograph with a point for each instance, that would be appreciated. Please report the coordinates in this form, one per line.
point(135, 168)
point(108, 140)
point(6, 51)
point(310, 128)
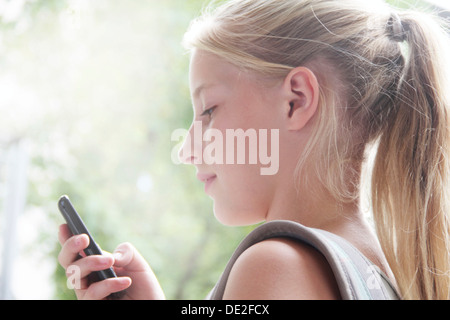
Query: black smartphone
point(77, 226)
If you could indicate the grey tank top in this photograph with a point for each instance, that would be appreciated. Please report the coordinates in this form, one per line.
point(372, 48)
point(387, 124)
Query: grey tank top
point(356, 277)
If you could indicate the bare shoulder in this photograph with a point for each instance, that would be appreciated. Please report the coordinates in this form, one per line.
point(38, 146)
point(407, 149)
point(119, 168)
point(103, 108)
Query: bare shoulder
point(281, 269)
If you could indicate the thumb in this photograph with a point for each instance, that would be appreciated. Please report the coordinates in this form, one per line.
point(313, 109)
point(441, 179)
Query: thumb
point(127, 257)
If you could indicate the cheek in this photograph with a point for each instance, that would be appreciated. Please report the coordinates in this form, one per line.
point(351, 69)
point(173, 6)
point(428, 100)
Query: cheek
point(242, 194)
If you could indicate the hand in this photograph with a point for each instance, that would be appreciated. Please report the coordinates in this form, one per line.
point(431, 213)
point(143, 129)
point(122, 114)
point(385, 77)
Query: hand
point(133, 272)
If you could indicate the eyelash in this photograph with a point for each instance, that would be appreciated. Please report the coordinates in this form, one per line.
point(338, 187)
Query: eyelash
point(208, 112)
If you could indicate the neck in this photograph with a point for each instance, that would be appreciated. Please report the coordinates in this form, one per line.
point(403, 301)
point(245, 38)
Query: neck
point(313, 206)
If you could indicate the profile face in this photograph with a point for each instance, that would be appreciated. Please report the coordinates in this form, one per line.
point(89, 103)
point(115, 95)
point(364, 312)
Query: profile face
point(233, 140)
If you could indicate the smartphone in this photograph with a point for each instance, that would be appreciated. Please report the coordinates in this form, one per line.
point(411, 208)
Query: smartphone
point(77, 226)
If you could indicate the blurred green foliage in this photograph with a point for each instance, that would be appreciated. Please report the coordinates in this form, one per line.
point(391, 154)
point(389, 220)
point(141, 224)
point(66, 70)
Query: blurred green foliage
point(96, 89)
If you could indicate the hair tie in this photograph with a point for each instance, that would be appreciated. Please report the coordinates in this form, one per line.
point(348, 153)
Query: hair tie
point(395, 28)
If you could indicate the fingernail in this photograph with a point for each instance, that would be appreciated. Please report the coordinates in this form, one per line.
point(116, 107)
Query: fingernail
point(117, 255)
point(124, 281)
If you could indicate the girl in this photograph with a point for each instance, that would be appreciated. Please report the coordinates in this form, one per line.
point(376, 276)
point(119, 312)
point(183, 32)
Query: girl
point(335, 79)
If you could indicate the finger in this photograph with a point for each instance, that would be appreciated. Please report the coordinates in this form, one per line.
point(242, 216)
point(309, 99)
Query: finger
point(102, 289)
point(126, 256)
point(71, 248)
point(89, 264)
point(64, 233)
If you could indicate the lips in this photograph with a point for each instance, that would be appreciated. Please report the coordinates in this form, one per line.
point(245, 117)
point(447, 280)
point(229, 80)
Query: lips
point(207, 179)
point(204, 177)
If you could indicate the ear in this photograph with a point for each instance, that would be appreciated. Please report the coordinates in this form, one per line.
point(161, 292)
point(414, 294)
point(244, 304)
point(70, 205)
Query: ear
point(301, 97)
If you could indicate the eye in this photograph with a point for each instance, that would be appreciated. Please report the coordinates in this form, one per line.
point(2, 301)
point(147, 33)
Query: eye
point(208, 112)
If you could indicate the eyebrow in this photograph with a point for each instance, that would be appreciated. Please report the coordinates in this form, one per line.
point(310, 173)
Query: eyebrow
point(201, 88)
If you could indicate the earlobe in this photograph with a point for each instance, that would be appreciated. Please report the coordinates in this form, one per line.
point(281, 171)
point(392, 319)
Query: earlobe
point(302, 90)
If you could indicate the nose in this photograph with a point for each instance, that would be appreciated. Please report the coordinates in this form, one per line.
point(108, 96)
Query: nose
point(191, 150)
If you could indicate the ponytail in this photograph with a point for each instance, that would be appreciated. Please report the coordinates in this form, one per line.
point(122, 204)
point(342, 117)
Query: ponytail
point(370, 91)
point(411, 178)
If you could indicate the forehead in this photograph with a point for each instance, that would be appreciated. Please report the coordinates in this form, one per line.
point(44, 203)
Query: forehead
point(208, 70)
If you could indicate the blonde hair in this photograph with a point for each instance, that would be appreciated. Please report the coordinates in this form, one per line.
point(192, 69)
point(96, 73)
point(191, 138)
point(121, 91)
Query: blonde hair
point(381, 92)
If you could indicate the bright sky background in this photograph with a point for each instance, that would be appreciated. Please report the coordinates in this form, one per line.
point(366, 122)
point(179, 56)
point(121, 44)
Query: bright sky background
point(442, 3)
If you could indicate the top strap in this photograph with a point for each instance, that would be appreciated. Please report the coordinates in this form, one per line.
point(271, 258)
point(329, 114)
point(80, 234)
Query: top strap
point(356, 276)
